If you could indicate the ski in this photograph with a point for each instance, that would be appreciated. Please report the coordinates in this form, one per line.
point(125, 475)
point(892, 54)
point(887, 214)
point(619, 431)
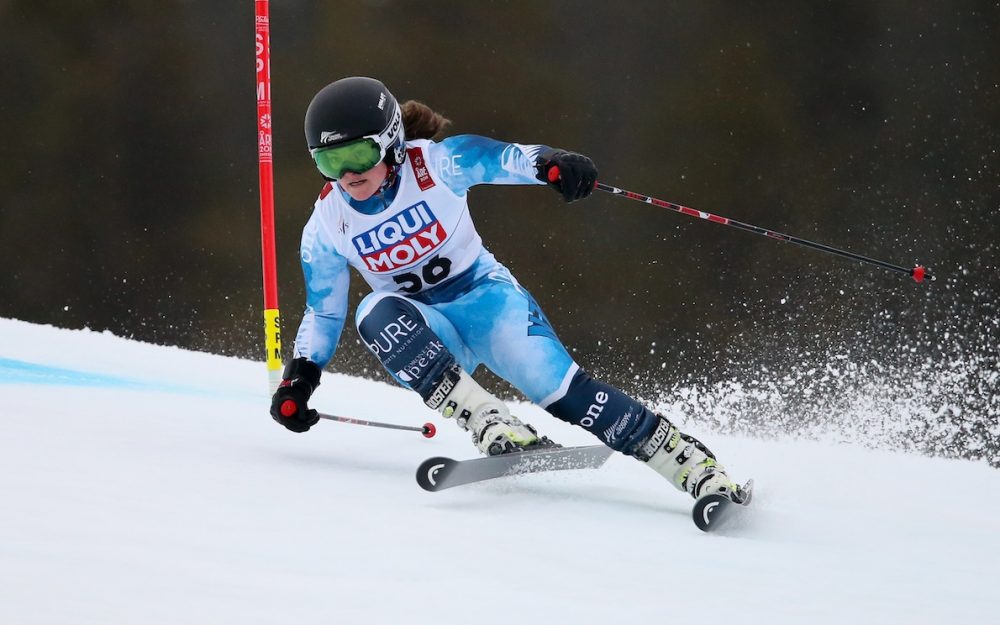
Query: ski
point(712, 511)
point(439, 473)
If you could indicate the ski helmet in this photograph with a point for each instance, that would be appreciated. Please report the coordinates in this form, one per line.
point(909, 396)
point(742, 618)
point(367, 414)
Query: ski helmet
point(353, 124)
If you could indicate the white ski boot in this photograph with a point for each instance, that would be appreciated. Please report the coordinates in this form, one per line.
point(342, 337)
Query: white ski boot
point(686, 463)
point(494, 430)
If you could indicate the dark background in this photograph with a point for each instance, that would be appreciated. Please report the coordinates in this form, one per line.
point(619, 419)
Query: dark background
point(129, 197)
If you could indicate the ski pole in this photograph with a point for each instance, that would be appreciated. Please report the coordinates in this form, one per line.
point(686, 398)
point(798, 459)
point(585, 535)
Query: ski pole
point(918, 273)
point(428, 429)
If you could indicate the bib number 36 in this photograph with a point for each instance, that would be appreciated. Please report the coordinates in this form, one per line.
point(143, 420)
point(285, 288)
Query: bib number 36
point(433, 272)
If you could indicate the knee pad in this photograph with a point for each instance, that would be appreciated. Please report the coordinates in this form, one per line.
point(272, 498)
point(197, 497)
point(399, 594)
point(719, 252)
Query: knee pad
point(395, 331)
point(619, 421)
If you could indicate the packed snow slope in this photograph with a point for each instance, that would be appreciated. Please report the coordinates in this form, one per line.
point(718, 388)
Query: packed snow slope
point(145, 484)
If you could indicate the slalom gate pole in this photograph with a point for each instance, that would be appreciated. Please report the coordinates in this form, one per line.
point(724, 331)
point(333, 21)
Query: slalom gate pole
point(272, 318)
point(918, 273)
point(428, 429)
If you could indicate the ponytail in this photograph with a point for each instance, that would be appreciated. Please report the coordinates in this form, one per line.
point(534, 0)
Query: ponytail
point(422, 122)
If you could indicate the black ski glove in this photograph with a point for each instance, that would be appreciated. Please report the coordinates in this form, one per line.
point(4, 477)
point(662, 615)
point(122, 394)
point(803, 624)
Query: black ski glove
point(571, 174)
point(289, 405)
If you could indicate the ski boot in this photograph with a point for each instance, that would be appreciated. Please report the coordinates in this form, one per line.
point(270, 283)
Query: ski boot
point(494, 430)
point(687, 463)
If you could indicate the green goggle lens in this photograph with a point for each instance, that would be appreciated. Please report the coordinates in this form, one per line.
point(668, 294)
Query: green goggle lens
point(356, 156)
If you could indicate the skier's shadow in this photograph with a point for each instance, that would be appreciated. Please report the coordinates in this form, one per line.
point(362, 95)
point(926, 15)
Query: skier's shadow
point(553, 487)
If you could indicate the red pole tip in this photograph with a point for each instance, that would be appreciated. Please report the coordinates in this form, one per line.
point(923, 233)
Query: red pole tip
point(553, 174)
point(918, 273)
point(288, 408)
point(429, 430)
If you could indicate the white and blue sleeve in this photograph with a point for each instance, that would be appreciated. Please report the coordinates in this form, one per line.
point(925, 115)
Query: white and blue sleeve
point(464, 161)
point(327, 281)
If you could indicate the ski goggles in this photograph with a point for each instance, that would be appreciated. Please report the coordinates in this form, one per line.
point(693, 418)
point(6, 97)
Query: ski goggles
point(359, 155)
point(355, 156)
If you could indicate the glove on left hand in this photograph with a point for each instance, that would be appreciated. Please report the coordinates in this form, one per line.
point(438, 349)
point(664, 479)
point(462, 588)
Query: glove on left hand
point(571, 174)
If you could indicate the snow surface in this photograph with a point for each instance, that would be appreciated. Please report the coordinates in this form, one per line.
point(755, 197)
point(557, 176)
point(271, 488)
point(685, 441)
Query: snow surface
point(144, 484)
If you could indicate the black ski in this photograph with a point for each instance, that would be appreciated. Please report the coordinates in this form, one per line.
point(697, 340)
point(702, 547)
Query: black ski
point(438, 473)
point(712, 511)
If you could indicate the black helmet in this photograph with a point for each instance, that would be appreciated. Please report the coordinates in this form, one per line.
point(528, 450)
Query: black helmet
point(354, 108)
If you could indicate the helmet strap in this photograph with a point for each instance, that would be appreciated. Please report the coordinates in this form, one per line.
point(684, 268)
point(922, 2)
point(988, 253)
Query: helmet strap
point(391, 175)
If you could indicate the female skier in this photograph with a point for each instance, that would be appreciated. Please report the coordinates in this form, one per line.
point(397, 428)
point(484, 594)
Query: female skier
point(394, 208)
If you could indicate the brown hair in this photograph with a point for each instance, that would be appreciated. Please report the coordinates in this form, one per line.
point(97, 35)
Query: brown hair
point(421, 121)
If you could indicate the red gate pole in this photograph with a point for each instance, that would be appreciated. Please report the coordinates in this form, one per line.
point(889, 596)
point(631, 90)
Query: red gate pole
point(272, 319)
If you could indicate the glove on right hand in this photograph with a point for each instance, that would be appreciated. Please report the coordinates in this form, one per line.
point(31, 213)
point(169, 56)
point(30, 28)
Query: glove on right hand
point(289, 405)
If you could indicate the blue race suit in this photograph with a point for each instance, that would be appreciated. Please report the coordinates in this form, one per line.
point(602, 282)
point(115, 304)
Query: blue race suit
point(438, 295)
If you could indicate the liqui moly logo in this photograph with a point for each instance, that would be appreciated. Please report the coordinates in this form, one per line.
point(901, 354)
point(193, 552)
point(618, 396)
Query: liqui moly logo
point(401, 240)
